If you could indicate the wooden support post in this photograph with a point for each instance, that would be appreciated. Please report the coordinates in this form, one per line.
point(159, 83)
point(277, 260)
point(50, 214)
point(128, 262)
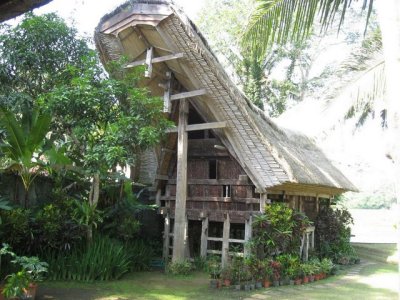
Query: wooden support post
point(180, 236)
point(167, 223)
point(263, 199)
point(306, 246)
point(248, 228)
point(158, 198)
point(204, 237)
point(317, 203)
point(149, 58)
point(313, 239)
point(225, 241)
point(167, 93)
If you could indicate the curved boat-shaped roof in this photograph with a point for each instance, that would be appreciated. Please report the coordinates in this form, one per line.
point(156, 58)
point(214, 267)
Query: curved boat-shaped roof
point(272, 157)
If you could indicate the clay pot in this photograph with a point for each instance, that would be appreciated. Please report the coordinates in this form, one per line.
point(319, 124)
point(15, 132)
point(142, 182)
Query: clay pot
point(227, 282)
point(267, 283)
point(297, 281)
point(305, 279)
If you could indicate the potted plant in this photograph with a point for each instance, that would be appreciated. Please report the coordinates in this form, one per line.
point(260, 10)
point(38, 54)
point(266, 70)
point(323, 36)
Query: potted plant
point(326, 266)
point(306, 272)
point(226, 275)
point(16, 286)
point(24, 282)
point(276, 272)
point(214, 270)
point(267, 274)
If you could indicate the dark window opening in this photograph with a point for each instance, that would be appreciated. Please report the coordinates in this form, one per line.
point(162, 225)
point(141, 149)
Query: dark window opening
point(212, 169)
point(163, 190)
point(196, 135)
point(226, 191)
point(211, 135)
point(215, 229)
point(237, 231)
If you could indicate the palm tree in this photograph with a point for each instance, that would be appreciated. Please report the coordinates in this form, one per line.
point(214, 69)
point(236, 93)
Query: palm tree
point(22, 141)
point(280, 21)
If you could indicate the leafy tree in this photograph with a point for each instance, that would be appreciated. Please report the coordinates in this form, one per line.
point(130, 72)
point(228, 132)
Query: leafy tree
point(99, 121)
point(34, 56)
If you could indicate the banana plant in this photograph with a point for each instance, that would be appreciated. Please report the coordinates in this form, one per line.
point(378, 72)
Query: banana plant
point(24, 138)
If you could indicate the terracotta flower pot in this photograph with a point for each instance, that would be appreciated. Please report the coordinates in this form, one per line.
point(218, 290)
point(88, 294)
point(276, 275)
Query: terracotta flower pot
point(297, 281)
point(305, 279)
point(227, 282)
point(266, 283)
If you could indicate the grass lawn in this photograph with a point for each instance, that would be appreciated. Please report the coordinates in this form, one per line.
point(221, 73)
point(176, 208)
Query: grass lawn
point(375, 281)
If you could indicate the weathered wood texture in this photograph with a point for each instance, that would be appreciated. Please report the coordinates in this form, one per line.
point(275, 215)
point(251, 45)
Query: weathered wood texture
point(180, 226)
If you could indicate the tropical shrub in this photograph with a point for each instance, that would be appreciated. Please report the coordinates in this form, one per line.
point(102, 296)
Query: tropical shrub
point(278, 230)
point(180, 268)
point(332, 233)
point(214, 266)
point(16, 229)
point(103, 259)
point(141, 254)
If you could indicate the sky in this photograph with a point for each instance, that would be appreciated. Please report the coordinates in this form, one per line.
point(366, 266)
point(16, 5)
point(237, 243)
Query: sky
point(86, 14)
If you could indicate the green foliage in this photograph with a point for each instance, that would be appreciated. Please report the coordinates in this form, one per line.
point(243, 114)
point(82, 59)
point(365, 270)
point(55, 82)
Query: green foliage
point(34, 55)
point(22, 142)
point(86, 215)
point(332, 233)
point(141, 253)
point(214, 266)
point(16, 228)
point(278, 230)
point(289, 264)
point(281, 21)
point(4, 205)
point(200, 263)
point(180, 268)
point(103, 259)
point(16, 284)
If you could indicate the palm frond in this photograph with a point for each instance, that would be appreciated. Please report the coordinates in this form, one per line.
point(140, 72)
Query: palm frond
point(281, 21)
point(15, 135)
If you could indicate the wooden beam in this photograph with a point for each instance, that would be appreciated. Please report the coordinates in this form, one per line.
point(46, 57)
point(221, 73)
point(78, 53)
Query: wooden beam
point(204, 237)
point(202, 126)
point(225, 241)
point(180, 237)
point(154, 60)
point(190, 94)
point(161, 177)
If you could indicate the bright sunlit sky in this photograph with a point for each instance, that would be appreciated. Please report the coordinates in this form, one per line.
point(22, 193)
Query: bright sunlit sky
point(86, 14)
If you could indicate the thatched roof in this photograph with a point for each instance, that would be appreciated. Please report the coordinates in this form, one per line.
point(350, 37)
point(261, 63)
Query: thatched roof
point(13, 8)
point(272, 157)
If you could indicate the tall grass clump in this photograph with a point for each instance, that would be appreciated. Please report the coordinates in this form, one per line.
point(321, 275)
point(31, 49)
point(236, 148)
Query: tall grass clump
point(104, 259)
point(141, 254)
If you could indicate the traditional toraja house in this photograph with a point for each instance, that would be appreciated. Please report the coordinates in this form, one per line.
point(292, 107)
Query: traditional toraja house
point(225, 160)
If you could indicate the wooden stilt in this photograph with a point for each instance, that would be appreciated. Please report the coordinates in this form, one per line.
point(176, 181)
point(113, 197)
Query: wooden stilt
point(263, 199)
point(225, 241)
point(317, 204)
point(204, 237)
point(180, 236)
point(158, 198)
point(167, 223)
point(247, 235)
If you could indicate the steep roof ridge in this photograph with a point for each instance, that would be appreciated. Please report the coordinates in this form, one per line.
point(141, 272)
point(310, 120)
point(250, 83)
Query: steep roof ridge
point(237, 94)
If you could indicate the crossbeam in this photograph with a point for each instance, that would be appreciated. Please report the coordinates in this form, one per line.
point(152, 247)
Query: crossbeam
point(155, 60)
point(190, 94)
point(203, 126)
